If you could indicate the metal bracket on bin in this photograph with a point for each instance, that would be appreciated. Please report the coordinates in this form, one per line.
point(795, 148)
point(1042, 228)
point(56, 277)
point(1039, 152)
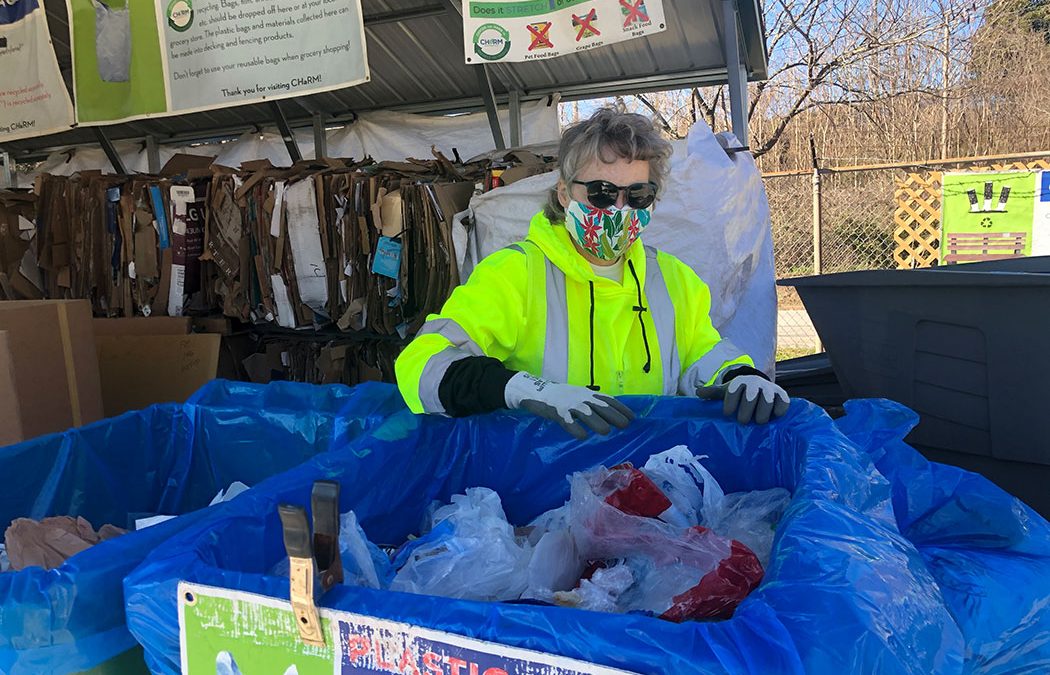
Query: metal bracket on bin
point(310, 555)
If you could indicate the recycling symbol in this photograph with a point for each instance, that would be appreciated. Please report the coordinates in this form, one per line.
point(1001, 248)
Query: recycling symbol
point(491, 41)
point(986, 222)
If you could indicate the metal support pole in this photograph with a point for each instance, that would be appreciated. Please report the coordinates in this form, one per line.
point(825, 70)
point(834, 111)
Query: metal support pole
point(735, 73)
point(111, 152)
point(817, 217)
point(286, 132)
point(152, 154)
point(515, 118)
point(817, 221)
point(320, 139)
point(7, 174)
point(487, 95)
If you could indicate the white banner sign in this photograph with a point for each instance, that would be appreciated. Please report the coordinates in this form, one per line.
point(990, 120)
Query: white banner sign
point(33, 99)
point(527, 30)
point(1041, 219)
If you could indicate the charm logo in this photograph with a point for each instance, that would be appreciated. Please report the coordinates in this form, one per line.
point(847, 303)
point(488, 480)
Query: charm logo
point(180, 15)
point(491, 42)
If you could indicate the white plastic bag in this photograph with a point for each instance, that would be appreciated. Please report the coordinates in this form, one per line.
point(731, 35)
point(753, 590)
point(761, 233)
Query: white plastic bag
point(471, 554)
point(112, 42)
point(748, 517)
point(555, 566)
point(690, 487)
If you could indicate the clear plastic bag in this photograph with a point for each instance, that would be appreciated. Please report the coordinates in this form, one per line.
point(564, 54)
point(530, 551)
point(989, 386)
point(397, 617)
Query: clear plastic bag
point(112, 42)
point(601, 591)
point(603, 532)
point(751, 518)
point(364, 564)
point(471, 554)
point(678, 574)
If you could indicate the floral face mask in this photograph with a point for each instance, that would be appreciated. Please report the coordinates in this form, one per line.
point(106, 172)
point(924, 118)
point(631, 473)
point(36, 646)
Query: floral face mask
point(605, 233)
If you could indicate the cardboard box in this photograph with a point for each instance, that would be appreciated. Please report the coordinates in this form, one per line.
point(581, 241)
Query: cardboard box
point(158, 325)
point(10, 411)
point(140, 370)
point(51, 365)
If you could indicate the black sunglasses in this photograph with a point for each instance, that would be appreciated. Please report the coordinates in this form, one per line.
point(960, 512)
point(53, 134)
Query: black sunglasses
point(603, 194)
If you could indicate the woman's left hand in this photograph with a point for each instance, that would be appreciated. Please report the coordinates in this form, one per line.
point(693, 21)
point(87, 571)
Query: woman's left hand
point(749, 397)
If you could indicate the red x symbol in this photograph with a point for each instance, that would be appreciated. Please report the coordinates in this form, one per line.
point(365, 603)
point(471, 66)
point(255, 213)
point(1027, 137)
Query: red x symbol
point(584, 23)
point(539, 35)
point(635, 12)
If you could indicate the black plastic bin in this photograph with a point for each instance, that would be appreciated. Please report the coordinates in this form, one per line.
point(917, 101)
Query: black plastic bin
point(965, 346)
point(812, 378)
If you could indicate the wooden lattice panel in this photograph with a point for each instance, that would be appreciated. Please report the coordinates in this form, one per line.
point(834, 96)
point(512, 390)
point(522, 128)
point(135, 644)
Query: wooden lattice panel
point(917, 218)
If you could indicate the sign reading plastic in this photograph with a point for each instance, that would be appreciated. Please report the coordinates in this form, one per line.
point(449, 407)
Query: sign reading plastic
point(232, 632)
point(529, 30)
point(165, 57)
point(33, 99)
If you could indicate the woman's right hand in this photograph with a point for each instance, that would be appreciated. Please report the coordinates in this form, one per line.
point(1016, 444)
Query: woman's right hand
point(575, 408)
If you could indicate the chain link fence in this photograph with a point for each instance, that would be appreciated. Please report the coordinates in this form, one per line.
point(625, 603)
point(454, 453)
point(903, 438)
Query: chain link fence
point(855, 216)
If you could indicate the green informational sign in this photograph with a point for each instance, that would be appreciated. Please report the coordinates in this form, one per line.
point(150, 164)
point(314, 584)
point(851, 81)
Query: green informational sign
point(226, 632)
point(142, 58)
point(117, 71)
point(255, 638)
point(987, 215)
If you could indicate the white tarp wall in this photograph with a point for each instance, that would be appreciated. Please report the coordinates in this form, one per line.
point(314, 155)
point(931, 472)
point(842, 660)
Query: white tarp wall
point(383, 135)
point(397, 136)
point(713, 215)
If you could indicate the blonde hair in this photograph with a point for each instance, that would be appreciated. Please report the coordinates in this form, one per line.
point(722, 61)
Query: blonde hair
point(606, 136)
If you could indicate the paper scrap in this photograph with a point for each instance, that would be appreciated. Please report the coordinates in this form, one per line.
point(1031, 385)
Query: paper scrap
point(285, 314)
point(143, 523)
point(304, 236)
point(278, 206)
point(235, 488)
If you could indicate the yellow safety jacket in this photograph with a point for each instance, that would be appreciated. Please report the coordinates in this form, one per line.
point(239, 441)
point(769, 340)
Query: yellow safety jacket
point(538, 307)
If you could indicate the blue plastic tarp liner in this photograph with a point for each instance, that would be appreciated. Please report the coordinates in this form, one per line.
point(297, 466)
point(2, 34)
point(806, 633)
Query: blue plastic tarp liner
point(988, 552)
point(168, 459)
point(845, 592)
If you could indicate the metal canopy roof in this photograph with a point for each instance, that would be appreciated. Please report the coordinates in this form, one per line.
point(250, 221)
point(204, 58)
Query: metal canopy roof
point(415, 56)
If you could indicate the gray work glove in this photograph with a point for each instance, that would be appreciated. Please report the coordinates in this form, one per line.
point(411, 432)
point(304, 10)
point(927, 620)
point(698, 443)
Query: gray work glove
point(574, 408)
point(749, 397)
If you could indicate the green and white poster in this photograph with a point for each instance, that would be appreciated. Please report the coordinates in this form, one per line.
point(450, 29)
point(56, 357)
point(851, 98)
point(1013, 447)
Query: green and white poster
point(530, 30)
point(142, 58)
point(226, 632)
point(988, 216)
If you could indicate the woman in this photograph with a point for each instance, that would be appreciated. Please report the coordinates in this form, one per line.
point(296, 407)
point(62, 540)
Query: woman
point(581, 311)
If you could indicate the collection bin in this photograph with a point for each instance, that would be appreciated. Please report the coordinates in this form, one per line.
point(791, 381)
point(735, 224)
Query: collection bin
point(845, 591)
point(166, 459)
